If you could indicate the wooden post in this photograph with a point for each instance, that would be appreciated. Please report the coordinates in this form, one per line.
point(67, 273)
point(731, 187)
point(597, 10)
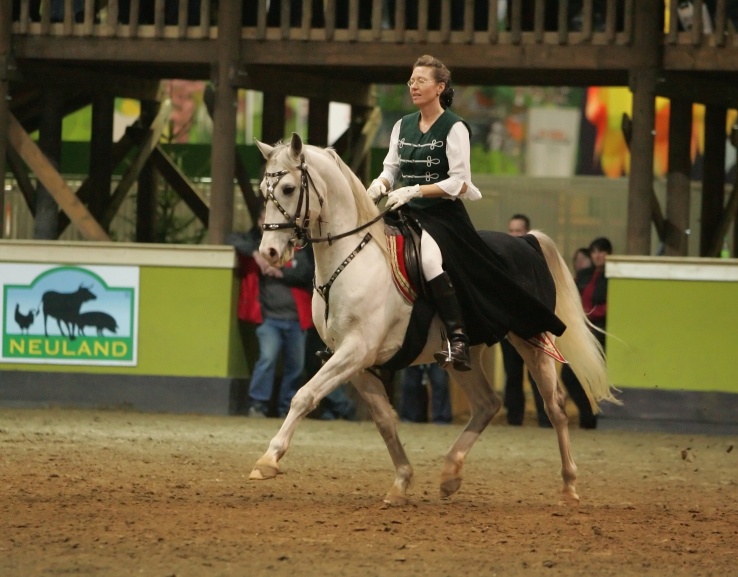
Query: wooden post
point(273, 118)
point(318, 122)
point(146, 184)
point(678, 179)
point(224, 123)
point(101, 152)
point(50, 142)
point(643, 85)
point(6, 23)
point(713, 179)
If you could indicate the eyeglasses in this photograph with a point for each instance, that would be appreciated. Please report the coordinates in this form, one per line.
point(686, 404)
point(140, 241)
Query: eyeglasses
point(419, 81)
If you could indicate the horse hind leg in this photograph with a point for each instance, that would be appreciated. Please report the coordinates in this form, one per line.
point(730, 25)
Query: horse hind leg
point(373, 392)
point(484, 404)
point(543, 369)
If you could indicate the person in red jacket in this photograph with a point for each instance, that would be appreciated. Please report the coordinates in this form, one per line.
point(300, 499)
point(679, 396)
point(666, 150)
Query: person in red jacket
point(279, 302)
point(592, 285)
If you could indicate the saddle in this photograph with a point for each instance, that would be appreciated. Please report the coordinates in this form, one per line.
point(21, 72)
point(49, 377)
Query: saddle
point(402, 234)
point(403, 242)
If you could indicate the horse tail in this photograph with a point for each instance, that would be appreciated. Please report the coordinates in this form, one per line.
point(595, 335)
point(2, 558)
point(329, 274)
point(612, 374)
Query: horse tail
point(578, 344)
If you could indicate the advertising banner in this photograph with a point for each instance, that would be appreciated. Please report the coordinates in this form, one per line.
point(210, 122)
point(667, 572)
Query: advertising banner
point(69, 314)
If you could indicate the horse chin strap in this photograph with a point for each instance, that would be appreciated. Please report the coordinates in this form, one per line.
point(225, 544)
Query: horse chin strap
point(301, 230)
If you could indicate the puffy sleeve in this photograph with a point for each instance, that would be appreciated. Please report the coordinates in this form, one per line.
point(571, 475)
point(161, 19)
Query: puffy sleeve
point(458, 152)
point(391, 165)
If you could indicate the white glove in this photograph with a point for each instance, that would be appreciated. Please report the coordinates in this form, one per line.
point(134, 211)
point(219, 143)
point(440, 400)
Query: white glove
point(376, 189)
point(400, 196)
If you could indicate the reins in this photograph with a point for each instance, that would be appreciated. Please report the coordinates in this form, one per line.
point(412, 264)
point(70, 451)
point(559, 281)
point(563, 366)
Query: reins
point(302, 232)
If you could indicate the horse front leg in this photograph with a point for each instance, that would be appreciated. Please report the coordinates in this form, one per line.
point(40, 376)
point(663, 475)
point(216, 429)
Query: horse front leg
point(484, 404)
point(374, 393)
point(345, 363)
point(543, 369)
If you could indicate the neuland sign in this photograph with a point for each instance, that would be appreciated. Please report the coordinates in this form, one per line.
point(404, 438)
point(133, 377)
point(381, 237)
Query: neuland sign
point(84, 315)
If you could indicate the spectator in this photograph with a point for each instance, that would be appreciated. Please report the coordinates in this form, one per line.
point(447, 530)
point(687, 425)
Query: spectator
point(518, 225)
point(581, 259)
point(279, 301)
point(592, 286)
point(414, 403)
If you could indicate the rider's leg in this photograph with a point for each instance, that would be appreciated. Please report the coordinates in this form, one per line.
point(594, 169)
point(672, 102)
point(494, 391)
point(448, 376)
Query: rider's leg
point(447, 305)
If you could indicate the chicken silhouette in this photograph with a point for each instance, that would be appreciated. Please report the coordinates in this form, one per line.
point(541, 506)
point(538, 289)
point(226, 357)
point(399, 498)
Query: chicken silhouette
point(24, 321)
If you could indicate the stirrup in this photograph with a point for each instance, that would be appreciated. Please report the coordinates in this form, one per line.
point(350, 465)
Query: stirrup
point(447, 357)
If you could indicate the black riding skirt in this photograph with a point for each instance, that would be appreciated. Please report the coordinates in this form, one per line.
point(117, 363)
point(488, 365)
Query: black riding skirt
point(502, 282)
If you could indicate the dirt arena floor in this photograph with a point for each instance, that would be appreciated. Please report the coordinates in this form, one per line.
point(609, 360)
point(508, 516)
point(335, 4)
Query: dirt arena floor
point(121, 494)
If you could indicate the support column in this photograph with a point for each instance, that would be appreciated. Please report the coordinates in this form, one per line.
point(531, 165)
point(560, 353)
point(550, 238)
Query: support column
point(318, 122)
point(713, 178)
point(643, 85)
point(146, 187)
point(224, 123)
point(6, 23)
point(50, 143)
point(273, 118)
point(101, 152)
point(678, 179)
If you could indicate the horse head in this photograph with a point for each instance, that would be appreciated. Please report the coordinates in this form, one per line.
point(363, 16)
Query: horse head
point(294, 196)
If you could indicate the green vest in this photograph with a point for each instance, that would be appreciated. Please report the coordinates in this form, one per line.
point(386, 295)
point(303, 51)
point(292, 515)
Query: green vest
point(423, 157)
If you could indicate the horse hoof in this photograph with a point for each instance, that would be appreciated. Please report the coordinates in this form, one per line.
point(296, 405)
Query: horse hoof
point(262, 472)
point(571, 498)
point(395, 500)
point(449, 487)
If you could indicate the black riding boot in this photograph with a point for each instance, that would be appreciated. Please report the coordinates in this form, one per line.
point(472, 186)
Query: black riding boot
point(457, 348)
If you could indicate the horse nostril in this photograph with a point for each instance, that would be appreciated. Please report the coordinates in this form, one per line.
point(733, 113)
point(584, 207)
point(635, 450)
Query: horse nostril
point(272, 253)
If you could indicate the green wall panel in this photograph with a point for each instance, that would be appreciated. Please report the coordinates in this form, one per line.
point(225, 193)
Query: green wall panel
point(673, 334)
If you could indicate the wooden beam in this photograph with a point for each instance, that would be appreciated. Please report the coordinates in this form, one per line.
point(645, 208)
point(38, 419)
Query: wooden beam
point(181, 184)
point(307, 85)
point(120, 151)
point(47, 174)
point(697, 87)
point(15, 163)
point(129, 178)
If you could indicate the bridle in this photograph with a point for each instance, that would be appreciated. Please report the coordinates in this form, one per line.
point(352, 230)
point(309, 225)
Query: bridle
point(301, 232)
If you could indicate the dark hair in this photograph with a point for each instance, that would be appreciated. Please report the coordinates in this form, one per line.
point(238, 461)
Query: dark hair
point(522, 217)
point(582, 250)
point(440, 74)
point(602, 244)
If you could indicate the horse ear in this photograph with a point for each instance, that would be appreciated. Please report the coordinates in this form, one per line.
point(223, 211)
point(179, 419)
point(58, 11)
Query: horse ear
point(265, 149)
point(295, 145)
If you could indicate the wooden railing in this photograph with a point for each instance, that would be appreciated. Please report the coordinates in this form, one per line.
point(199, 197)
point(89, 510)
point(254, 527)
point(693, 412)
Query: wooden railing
point(475, 22)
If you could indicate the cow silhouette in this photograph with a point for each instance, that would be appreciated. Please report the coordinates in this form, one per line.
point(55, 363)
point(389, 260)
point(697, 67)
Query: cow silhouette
point(64, 307)
point(24, 320)
point(96, 319)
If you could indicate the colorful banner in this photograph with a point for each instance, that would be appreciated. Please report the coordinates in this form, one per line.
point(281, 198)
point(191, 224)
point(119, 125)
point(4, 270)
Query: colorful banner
point(80, 315)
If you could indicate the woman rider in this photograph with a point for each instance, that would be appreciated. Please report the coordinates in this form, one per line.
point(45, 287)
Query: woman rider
point(428, 159)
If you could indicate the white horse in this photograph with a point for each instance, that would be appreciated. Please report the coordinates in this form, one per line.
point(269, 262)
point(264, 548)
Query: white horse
point(312, 196)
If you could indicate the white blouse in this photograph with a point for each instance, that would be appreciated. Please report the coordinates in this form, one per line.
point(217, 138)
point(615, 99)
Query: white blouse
point(458, 153)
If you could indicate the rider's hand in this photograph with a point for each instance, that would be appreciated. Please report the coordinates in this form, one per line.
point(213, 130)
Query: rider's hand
point(376, 189)
point(400, 196)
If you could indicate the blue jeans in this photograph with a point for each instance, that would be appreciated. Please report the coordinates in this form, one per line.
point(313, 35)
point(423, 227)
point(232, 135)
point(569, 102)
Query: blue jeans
point(277, 336)
point(414, 404)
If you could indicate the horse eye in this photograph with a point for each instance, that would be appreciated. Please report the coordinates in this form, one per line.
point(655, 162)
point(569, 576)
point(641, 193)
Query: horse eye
point(288, 189)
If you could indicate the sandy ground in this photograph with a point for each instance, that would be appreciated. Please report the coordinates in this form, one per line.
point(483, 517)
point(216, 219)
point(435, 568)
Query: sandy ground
point(122, 494)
